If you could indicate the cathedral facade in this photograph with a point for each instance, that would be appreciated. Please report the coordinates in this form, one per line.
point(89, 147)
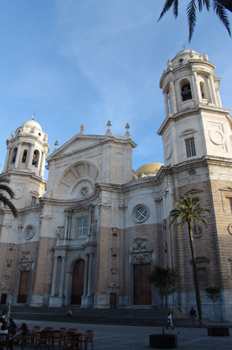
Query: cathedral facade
point(91, 234)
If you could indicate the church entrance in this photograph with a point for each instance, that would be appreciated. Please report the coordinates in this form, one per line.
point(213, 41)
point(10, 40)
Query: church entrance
point(78, 282)
point(142, 287)
point(23, 286)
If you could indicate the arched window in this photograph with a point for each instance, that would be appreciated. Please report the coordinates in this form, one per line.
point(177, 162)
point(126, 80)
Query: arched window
point(14, 154)
point(35, 160)
point(24, 158)
point(186, 92)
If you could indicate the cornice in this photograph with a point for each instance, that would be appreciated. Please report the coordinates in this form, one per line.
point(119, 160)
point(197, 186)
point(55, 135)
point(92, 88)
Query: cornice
point(191, 111)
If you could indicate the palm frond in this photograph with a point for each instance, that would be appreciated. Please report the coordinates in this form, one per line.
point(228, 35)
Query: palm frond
point(191, 14)
point(7, 189)
point(167, 6)
point(7, 202)
point(175, 8)
point(206, 3)
point(4, 199)
point(221, 13)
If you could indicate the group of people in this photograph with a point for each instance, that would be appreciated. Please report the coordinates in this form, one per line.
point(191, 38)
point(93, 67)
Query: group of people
point(192, 314)
point(18, 332)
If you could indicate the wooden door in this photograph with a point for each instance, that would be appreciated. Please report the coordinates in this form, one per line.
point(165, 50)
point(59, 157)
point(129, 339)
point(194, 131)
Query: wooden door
point(23, 286)
point(142, 287)
point(78, 282)
point(113, 300)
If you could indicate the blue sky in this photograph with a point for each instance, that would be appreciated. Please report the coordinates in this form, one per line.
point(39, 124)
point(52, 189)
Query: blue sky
point(90, 61)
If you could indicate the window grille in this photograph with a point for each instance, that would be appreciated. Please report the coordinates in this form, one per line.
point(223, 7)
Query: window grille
point(190, 147)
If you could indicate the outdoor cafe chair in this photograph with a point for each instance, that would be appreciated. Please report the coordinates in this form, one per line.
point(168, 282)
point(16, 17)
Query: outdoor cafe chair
point(73, 340)
point(56, 338)
point(44, 339)
point(4, 340)
point(88, 338)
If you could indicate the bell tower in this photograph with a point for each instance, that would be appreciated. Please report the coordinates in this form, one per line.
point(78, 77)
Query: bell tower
point(25, 162)
point(195, 123)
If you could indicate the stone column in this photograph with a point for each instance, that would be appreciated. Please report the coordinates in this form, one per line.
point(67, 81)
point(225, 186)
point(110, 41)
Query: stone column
point(86, 275)
point(172, 95)
point(30, 156)
point(66, 225)
point(62, 277)
point(212, 89)
point(166, 103)
point(54, 277)
point(196, 87)
point(7, 159)
point(69, 225)
point(17, 160)
point(90, 275)
point(42, 165)
point(218, 97)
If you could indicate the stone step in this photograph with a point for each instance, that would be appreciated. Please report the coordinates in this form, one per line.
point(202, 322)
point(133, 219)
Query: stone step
point(136, 317)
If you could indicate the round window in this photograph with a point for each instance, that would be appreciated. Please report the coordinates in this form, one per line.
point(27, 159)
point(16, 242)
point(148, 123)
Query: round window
point(29, 232)
point(140, 213)
point(84, 191)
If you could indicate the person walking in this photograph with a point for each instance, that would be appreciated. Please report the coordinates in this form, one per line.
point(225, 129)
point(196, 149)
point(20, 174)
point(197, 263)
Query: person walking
point(192, 314)
point(169, 323)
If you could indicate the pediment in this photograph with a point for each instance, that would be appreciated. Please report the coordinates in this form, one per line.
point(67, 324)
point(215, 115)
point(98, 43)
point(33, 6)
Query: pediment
point(78, 143)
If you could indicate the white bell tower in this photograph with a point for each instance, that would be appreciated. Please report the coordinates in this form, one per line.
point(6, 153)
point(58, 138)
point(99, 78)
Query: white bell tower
point(25, 162)
point(195, 125)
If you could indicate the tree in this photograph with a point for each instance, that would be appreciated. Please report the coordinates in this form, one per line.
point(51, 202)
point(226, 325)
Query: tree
point(187, 211)
point(164, 280)
point(213, 293)
point(219, 7)
point(4, 199)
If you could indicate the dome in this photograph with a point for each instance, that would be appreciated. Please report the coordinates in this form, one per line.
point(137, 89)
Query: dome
point(32, 124)
point(149, 168)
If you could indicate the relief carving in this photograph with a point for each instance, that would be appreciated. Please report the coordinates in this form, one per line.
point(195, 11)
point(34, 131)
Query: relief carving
point(25, 262)
point(141, 252)
point(113, 287)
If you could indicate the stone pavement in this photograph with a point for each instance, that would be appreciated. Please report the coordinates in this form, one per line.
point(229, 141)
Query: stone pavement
point(114, 337)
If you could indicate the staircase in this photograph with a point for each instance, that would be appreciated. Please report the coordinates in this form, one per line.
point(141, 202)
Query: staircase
point(131, 317)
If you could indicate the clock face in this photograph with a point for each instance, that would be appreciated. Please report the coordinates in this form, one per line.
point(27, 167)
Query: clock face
point(29, 232)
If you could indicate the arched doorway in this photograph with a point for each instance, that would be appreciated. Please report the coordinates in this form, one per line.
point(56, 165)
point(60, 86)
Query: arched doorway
point(78, 282)
point(142, 286)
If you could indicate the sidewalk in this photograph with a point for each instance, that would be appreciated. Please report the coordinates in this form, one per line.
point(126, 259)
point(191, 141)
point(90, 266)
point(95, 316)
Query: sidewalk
point(114, 337)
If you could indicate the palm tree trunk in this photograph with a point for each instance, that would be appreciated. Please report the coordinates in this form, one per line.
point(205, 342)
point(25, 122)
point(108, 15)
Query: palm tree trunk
point(197, 290)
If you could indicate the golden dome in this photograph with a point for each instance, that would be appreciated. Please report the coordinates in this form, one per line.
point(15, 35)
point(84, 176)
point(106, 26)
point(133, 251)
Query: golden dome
point(149, 168)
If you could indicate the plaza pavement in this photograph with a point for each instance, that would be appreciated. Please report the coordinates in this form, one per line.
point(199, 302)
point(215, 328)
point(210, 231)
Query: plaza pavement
point(114, 337)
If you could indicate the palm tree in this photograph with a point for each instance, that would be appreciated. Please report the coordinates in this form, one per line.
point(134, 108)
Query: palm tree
point(188, 211)
point(4, 199)
point(219, 7)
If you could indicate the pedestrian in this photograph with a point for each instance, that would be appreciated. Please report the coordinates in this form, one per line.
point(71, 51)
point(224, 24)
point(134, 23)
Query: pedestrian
point(169, 323)
point(192, 314)
point(12, 323)
point(4, 312)
point(69, 313)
